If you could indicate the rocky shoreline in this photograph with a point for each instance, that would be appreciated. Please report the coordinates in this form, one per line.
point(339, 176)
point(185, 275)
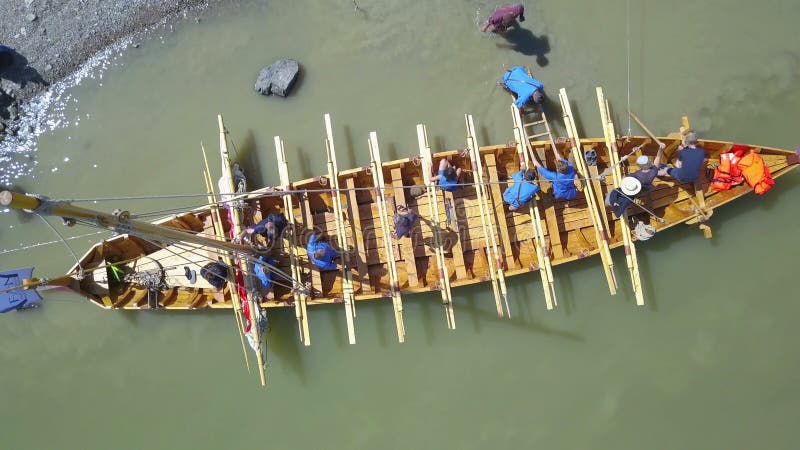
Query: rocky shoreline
point(50, 39)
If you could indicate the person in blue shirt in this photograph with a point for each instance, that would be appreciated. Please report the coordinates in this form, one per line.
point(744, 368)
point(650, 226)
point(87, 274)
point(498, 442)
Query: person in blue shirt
point(321, 253)
point(523, 189)
point(448, 176)
point(690, 161)
point(563, 177)
point(270, 227)
point(263, 272)
point(403, 222)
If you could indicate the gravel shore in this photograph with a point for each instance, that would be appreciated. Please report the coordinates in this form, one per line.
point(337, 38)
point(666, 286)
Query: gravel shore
point(52, 38)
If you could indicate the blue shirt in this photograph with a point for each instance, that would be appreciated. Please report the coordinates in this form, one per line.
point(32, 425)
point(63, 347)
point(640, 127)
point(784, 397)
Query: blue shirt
point(517, 80)
point(691, 159)
point(521, 192)
point(326, 262)
point(404, 229)
point(262, 271)
point(278, 221)
point(563, 183)
point(446, 184)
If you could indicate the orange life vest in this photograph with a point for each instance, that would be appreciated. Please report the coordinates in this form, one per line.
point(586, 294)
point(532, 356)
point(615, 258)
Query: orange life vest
point(756, 173)
point(728, 173)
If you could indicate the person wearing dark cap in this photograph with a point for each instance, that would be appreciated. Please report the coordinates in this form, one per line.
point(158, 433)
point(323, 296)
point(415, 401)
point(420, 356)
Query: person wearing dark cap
point(447, 176)
point(270, 227)
point(523, 189)
point(690, 160)
point(403, 222)
point(504, 18)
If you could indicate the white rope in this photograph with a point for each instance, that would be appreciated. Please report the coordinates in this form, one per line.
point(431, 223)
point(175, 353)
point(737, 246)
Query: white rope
point(41, 244)
point(77, 262)
point(628, 39)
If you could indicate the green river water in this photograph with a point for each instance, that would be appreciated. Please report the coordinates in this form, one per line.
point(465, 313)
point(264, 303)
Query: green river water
point(706, 364)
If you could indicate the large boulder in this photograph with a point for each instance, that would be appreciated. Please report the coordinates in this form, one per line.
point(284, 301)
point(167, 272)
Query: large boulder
point(278, 78)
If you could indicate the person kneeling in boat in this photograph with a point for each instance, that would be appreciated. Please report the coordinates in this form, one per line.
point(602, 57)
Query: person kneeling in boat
point(504, 18)
point(270, 228)
point(563, 177)
point(523, 189)
point(690, 161)
point(321, 253)
point(263, 272)
point(448, 176)
point(403, 222)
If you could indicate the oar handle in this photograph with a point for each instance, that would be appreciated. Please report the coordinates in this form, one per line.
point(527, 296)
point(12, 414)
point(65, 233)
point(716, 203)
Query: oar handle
point(644, 127)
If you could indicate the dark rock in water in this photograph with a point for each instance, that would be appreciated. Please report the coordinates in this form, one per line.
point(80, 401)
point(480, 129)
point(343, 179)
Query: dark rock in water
point(278, 78)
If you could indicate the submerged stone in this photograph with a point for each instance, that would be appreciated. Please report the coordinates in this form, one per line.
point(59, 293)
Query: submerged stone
point(278, 78)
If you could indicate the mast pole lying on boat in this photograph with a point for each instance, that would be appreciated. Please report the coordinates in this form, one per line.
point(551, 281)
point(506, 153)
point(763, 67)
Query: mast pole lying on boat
point(219, 232)
point(613, 154)
point(347, 276)
point(490, 241)
point(433, 205)
point(601, 235)
point(300, 299)
point(388, 246)
point(236, 228)
point(540, 245)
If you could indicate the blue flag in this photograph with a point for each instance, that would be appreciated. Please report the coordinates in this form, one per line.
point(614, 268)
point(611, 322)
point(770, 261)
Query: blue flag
point(14, 299)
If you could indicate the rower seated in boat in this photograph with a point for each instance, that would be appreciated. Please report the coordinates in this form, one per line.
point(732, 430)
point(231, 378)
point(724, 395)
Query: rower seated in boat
point(270, 227)
point(448, 176)
point(263, 272)
point(563, 177)
point(505, 17)
point(690, 161)
point(321, 253)
point(216, 273)
point(403, 222)
point(523, 189)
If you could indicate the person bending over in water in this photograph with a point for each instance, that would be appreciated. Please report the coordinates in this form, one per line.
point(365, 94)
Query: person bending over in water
point(504, 18)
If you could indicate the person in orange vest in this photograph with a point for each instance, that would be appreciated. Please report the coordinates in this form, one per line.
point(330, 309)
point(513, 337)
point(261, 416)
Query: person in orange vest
point(690, 161)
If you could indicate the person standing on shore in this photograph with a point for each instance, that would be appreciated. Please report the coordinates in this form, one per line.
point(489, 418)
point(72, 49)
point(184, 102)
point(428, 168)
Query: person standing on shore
point(504, 18)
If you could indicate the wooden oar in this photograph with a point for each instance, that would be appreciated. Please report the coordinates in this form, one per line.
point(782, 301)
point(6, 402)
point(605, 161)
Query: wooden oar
point(539, 244)
point(236, 225)
point(644, 127)
point(494, 263)
point(300, 298)
point(613, 153)
point(388, 245)
point(432, 196)
point(220, 234)
point(347, 276)
point(589, 192)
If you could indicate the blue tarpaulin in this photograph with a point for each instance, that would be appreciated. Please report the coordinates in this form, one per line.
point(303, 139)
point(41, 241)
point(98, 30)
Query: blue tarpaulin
point(517, 80)
point(14, 299)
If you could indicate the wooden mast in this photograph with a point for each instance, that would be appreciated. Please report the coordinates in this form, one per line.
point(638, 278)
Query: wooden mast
point(432, 196)
point(601, 235)
point(391, 262)
point(300, 298)
point(542, 256)
point(341, 237)
point(219, 232)
point(613, 154)
point(495, 264)
point(236, 229)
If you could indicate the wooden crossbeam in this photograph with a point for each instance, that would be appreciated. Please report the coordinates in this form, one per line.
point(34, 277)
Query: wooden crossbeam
point(308, 221)
point(430, 192)
point(589, 191)
point(463, 232)
point(406, 245)
point(357, 231)
point(300, 298)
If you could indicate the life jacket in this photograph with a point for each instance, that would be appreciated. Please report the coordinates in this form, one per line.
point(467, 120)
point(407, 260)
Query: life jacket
point(728, 173)
point(756, 173)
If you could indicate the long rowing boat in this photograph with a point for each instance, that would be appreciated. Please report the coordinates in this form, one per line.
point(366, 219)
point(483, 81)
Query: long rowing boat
point(129, 271)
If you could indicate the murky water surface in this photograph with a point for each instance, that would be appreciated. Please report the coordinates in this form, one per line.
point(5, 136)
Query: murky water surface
point(709, 363)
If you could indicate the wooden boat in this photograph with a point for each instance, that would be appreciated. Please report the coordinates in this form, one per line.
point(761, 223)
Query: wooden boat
point(131, 272)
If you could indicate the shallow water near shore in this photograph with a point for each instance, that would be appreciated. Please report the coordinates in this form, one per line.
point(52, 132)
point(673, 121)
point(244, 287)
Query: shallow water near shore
point(709, 362)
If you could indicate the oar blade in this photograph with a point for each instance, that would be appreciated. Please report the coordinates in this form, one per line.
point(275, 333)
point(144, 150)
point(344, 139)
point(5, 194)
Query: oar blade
point(10, 298)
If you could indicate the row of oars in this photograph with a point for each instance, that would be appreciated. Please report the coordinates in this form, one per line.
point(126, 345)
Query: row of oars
point(494, 263)
point(540, 246)
point(299, 295)
point(348, 292)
